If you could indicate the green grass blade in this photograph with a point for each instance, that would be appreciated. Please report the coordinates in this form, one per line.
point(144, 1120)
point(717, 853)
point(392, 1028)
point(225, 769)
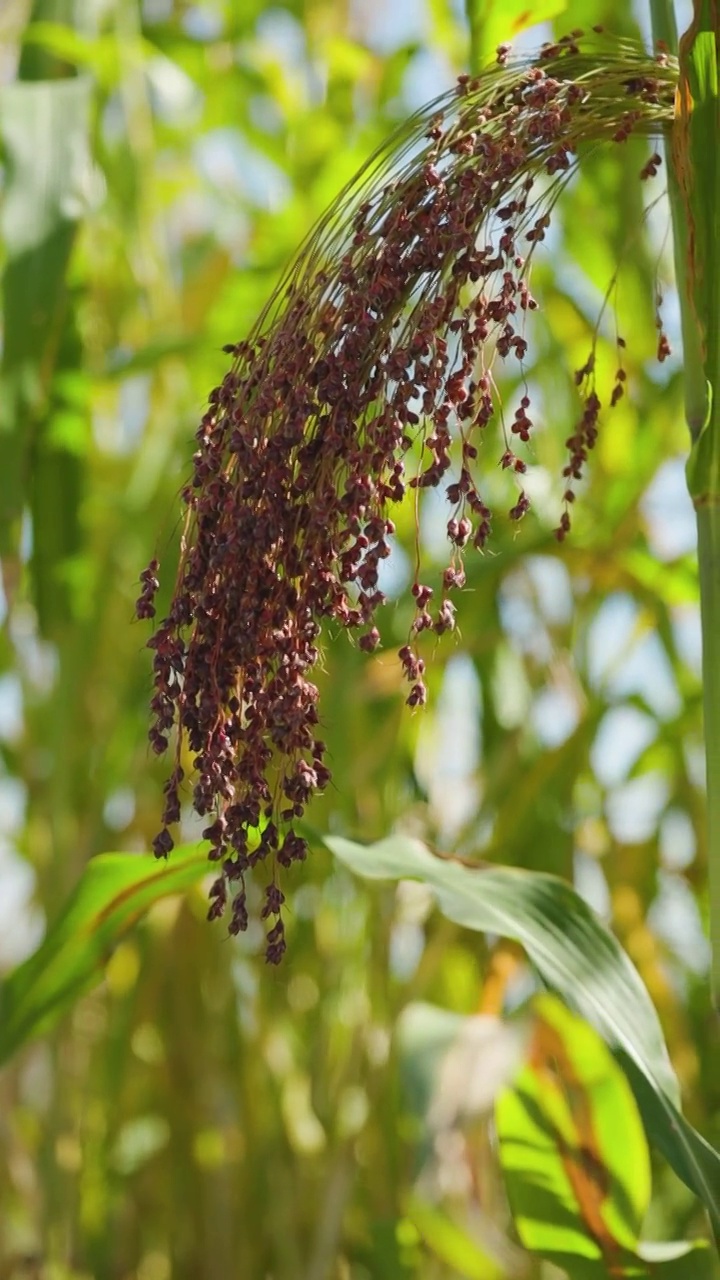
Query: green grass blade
point(576, 957)
point(692, 1158)
point(44, 129)
point(115, 891)
point(56, 488)
point(664, 25)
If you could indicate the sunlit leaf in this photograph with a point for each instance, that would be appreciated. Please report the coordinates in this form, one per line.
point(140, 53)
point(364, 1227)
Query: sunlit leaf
point(578, 1195)
point(576, 956)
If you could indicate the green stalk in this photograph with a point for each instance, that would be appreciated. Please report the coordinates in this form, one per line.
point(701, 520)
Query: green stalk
point(664, 30)
point(664, 26)
point(693, 188)
point(708, 524)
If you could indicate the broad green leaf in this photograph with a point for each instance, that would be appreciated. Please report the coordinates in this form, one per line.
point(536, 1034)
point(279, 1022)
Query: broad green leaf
point(577, 957)
point(115, 891)
point(578, 1195)
point(492, 22)
point(44, 134)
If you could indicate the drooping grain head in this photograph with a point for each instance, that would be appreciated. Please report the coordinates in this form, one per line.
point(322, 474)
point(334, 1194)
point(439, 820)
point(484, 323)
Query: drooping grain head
point(382, 345)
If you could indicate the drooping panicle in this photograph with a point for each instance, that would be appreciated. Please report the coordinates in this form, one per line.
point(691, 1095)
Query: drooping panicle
point(373, 370)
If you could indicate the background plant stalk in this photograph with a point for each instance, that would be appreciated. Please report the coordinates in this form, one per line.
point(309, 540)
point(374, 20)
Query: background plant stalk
point(693, 188)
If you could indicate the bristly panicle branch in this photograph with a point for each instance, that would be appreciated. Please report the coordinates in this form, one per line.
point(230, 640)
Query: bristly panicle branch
point(380, 347)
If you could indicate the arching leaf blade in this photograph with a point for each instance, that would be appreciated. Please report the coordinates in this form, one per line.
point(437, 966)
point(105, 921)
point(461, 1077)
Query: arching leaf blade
point(578, 958)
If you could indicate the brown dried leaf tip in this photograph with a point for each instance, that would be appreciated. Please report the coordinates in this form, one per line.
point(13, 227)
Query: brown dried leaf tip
point(379, 349)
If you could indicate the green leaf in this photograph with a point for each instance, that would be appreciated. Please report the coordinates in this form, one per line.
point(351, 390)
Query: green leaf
point(692, 1158)
point(44, 130)
point(42, 63)
point(451, 1244)
point(115, 891)
point(578, 1196)
point(492, 22)
point(57, 485)
point(576, 957)
point(100, 55)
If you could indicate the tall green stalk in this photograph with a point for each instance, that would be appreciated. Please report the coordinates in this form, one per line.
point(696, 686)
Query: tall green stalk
point(708, 522)
point(664, 26)
point(694, 190)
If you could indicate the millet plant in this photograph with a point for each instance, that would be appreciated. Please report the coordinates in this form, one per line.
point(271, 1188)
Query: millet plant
point(392, 371)
point(374, 373)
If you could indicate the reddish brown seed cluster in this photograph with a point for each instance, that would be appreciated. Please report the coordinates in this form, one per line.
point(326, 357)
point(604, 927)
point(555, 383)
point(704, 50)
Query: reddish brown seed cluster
point(373, 371)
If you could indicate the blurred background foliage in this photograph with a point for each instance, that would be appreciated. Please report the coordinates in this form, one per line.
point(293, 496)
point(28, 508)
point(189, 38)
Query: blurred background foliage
point(198, 1115)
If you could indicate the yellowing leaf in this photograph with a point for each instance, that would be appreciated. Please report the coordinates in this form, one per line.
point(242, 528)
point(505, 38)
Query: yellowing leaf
point(576, 1192)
